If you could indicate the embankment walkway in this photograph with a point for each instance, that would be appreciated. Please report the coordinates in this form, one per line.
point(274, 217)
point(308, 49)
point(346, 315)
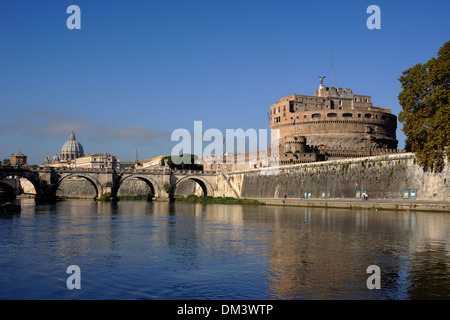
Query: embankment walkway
point(401, 205)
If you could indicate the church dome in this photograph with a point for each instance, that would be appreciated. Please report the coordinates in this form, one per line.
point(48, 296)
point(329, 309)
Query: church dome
point(71, 149)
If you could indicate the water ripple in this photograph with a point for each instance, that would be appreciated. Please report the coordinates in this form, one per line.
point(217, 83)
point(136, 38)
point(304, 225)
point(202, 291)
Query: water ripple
point(138, 250)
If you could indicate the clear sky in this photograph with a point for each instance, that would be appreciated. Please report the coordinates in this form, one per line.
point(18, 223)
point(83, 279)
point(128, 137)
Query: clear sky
point(137, 70)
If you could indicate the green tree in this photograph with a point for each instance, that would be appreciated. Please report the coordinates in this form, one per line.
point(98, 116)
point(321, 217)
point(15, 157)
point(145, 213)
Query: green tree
point(190, 165)
point(425, 100)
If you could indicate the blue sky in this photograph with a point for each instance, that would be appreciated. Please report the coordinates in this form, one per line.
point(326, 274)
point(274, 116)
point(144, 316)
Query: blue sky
point(137, 70)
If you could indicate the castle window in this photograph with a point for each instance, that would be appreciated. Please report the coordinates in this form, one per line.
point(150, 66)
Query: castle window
point(304, 116)
point(291, 106)
point(383, 117)
point(316, 115)
point(340, 102)
point(347, 115)
point(368, 115)
point(331, 115)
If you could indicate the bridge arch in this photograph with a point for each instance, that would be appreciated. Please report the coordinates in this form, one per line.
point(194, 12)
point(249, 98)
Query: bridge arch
point(155, 188)
point(95, 183)
point(26, 175)
point(203, 183)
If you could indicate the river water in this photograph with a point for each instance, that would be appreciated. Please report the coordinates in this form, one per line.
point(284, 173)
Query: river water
point(160, 250)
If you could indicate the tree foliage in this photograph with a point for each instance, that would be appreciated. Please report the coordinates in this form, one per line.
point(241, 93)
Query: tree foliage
point(425, 100)
point(189, 165)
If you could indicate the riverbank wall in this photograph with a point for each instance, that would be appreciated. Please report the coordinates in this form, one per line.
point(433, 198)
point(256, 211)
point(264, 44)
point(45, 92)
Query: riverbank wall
point(389, 177)
point(393, 205)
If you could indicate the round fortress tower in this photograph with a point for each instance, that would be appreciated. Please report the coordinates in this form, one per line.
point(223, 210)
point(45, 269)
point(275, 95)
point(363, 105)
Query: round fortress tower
point(333, 118)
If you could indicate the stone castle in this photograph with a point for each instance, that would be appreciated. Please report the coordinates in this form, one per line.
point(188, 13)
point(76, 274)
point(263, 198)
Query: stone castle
point(334, 123)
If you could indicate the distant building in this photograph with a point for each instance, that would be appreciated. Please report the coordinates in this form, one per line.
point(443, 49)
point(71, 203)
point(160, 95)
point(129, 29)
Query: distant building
point(5, 163)
point(18, 160)
point(71, 149)
point(72, 155)
point(230, 161)
point(98, 161)
point(154, 163)
point(58, 164)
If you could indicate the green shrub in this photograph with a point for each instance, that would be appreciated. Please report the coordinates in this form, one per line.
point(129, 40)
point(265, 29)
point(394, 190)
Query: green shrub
point(105, 197)
point(168, 188)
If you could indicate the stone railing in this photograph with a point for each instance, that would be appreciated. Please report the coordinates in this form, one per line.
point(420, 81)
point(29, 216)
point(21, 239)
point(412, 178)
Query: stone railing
point(357, 152)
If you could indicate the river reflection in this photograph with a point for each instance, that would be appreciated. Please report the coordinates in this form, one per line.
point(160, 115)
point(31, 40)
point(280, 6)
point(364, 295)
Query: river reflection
point(161, 250)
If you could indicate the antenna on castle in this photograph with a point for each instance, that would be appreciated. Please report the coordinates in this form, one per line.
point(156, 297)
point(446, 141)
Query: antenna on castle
point(332, 68)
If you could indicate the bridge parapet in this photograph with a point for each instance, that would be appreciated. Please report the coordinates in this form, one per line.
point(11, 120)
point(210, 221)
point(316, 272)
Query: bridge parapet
point(196, 172)
point(122, 171)
point(144, 171)
point(81, 170)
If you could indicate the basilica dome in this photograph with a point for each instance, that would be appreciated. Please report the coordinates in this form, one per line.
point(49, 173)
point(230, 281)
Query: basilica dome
point(71, 149)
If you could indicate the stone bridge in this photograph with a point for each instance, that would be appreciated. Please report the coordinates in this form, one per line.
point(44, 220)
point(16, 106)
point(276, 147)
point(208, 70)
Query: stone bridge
point(162, 183)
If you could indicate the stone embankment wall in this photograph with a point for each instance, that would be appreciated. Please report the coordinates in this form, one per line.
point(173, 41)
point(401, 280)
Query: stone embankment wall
point(76, 188)
point(82, 188)
point(382, 177)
